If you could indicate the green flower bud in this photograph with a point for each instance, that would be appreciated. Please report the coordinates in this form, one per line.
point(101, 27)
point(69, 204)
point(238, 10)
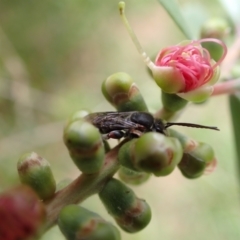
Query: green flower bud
point(173, 102)
point(35, 172)
point(21, 214)
point(85, 146)
point(215, 28)
point(78, 223)
point(188, 144)
point(157, 154)
point(131, 213)
point(120, 90)
point(126, 155)
point(132, 177)
point(78, 115)
point(195, 162)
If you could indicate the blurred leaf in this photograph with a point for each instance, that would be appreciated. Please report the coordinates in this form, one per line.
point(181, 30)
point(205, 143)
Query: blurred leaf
point(232, 8)
point(234, 101)
point(174, 11)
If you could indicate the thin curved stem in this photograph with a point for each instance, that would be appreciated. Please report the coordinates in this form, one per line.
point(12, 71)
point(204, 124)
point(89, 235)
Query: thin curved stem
point(133, 36)
point(227, 87)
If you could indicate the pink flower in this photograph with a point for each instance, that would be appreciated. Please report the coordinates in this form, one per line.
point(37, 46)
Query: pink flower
point(186, 68)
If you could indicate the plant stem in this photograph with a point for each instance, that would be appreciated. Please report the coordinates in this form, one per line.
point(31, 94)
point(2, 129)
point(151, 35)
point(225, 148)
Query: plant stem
point(134, 38)
point(167, 115)
point(227, 87)
point(82, 187)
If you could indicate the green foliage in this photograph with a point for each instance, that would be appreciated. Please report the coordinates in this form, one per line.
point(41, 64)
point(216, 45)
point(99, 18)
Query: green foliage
point(234, 101)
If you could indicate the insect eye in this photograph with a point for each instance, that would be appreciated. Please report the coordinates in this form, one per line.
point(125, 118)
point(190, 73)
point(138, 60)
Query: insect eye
point(159, 126)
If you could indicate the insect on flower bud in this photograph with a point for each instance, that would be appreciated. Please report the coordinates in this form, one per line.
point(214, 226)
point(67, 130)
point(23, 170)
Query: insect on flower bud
point(120, 90)
point(21, 214)
point(85, 145)
point(131, 213)
point(77, 223)
point(35, 172)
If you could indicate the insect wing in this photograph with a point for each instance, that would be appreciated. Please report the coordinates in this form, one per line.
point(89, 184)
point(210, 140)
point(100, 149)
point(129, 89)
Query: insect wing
point(108, 121)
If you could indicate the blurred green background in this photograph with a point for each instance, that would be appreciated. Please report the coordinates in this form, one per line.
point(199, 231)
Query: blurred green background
point(54, 56)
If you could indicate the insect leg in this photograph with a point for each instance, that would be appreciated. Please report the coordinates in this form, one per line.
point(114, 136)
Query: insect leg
point(133, 133)
point(116, 134)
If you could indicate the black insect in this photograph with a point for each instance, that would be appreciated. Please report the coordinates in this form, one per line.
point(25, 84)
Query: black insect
point(132, 124)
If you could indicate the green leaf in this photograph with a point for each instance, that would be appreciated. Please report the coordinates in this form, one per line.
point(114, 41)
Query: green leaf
point(174, 11)
point(234, 101)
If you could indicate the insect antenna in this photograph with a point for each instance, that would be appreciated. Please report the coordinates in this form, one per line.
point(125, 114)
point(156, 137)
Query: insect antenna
point(169, 124)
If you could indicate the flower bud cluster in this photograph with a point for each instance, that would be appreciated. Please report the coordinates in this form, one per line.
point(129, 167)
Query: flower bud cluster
point(150, 153)
point(184, 72)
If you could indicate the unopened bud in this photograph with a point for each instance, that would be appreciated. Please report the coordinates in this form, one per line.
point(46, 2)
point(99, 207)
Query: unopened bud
point(215, 28)
point(78, 223)
point(126, 155)
point(196, 162)
point(120, 90)
point(35, 172)
point(131, 213)
point(188, 144)
point(155, 153)
point(78, 115)
point(85, 146)
point(132, 177)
